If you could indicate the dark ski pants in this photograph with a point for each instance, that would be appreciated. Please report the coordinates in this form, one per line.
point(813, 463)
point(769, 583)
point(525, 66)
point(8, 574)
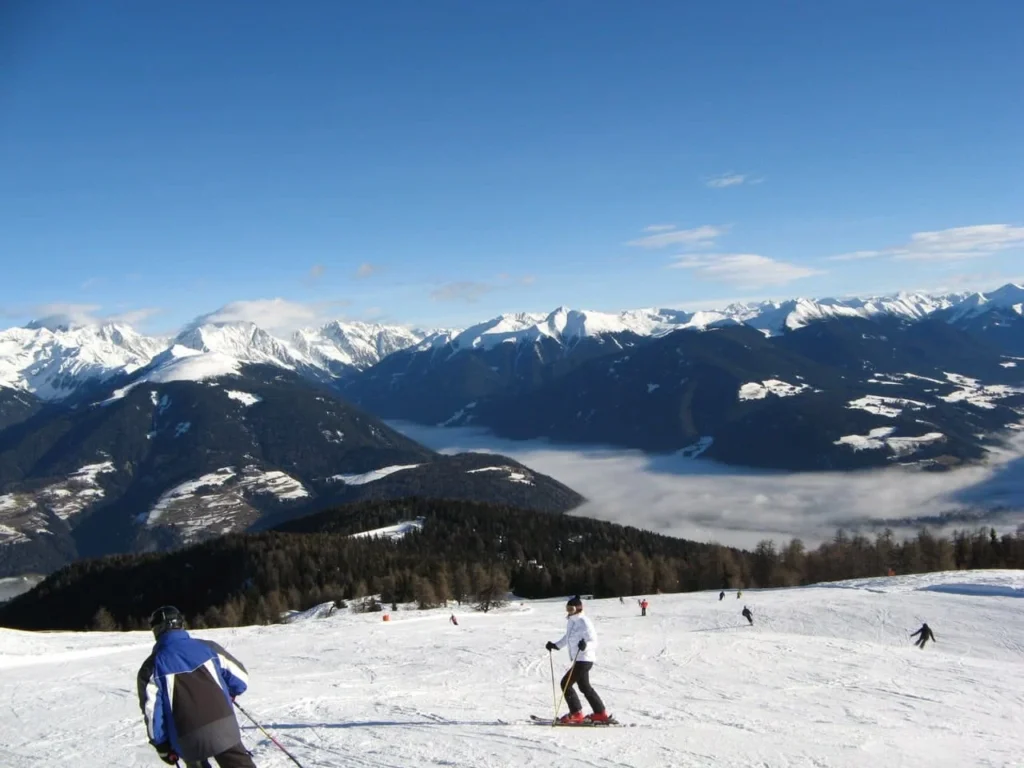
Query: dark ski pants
point(643, 611)
point(579, 676)
point(236, 757)
point(920, 643)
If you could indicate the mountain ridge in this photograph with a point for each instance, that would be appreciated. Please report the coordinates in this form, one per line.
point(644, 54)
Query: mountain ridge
point(52, 357)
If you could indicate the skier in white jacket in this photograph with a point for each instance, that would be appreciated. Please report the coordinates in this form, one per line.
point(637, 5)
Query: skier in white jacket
point(581, 639)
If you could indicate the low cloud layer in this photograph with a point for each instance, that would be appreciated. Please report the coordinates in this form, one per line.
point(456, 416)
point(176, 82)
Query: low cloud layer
point(705, 501)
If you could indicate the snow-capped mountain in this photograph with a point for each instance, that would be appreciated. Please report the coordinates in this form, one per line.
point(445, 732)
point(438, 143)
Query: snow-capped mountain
point(1009, 298)
point(52, 362)
point(339, 347)
point(773, 318)
point(242, 341)
point(568, 326)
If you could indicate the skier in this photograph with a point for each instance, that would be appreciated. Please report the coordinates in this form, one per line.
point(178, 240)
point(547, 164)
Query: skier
point(749, 616)
point(739, 594)
point(186, 689)
point(721, 595)
point(622, 600)
point(926, 634)
point(453, 620)
point(581, 639)
point(643, 607)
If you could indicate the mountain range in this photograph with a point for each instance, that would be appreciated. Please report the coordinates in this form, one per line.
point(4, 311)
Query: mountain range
point(797, 384)
point(196, 445)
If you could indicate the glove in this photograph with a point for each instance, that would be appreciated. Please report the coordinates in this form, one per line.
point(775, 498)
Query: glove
point(167, 754)
point(582, 645)
point(551, 646)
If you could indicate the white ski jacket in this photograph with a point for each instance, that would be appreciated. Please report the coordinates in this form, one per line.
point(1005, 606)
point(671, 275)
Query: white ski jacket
point(579, 627)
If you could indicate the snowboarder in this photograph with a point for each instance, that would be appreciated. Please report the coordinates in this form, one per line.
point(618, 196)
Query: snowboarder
point(926, 634)
point(721, 595)
point(186, 689)
point(643, 607)
point(748, 615)
point(581, 639)
point(453, 620)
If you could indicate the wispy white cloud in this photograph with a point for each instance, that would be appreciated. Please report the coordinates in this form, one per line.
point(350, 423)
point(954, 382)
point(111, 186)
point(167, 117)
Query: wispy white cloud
point(316, 272)
point(659, 227)
point(697, 237)
point(463, 290)
point(276, 315)
point(366, 269)
point(61, 314)
point(726, 180)
point(743, 270)
point(134, 316)
point(470, 291)
point(955, 244)
point(93, 282)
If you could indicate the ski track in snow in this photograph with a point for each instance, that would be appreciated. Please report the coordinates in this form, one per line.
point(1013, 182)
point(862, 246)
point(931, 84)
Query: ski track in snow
point(826, 677)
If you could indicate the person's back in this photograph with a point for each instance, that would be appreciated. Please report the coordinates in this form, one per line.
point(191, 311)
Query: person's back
point(186, 688)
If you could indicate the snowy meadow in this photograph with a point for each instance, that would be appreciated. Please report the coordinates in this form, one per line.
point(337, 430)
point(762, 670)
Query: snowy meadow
point(706, 501)
point(826, 677)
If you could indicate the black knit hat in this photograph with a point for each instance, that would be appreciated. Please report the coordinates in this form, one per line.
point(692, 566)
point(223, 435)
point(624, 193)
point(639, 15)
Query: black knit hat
point(575, 601)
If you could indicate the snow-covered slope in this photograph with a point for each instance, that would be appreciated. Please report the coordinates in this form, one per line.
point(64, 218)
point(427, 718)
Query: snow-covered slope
point(825, 677)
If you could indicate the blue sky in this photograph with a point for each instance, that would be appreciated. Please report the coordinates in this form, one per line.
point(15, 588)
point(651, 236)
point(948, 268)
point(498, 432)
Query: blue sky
point(438, 163)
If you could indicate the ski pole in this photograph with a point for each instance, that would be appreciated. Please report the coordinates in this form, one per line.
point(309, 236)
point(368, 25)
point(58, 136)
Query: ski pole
point(568, 682)
point(264, 730)
point(554, 688)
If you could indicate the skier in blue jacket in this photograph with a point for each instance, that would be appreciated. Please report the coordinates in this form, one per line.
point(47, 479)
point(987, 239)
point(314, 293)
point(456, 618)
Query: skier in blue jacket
point(186, 690)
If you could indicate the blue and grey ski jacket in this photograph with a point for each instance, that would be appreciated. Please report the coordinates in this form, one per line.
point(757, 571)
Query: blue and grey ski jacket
point(185, 691)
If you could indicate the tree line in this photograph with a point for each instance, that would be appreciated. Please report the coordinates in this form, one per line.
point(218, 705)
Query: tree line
point(468, 552)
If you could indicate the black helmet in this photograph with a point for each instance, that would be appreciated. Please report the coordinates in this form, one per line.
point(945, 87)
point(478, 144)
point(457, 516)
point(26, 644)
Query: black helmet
point(164, 618)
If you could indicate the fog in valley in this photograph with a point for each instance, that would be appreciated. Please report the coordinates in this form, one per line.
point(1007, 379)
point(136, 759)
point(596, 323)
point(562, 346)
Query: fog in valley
point(706, 501)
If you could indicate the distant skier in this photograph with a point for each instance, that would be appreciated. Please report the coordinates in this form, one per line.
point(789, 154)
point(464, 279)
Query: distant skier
point(739, 594)
point(748, 615)
point(925, 633)
point(622, 600)
point(453, 620)
point(581, 639)
point(186, 689)
point(721, 595)
point(643, 607)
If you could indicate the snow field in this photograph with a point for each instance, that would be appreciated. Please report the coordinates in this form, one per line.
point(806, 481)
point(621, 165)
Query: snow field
point(826, 677)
